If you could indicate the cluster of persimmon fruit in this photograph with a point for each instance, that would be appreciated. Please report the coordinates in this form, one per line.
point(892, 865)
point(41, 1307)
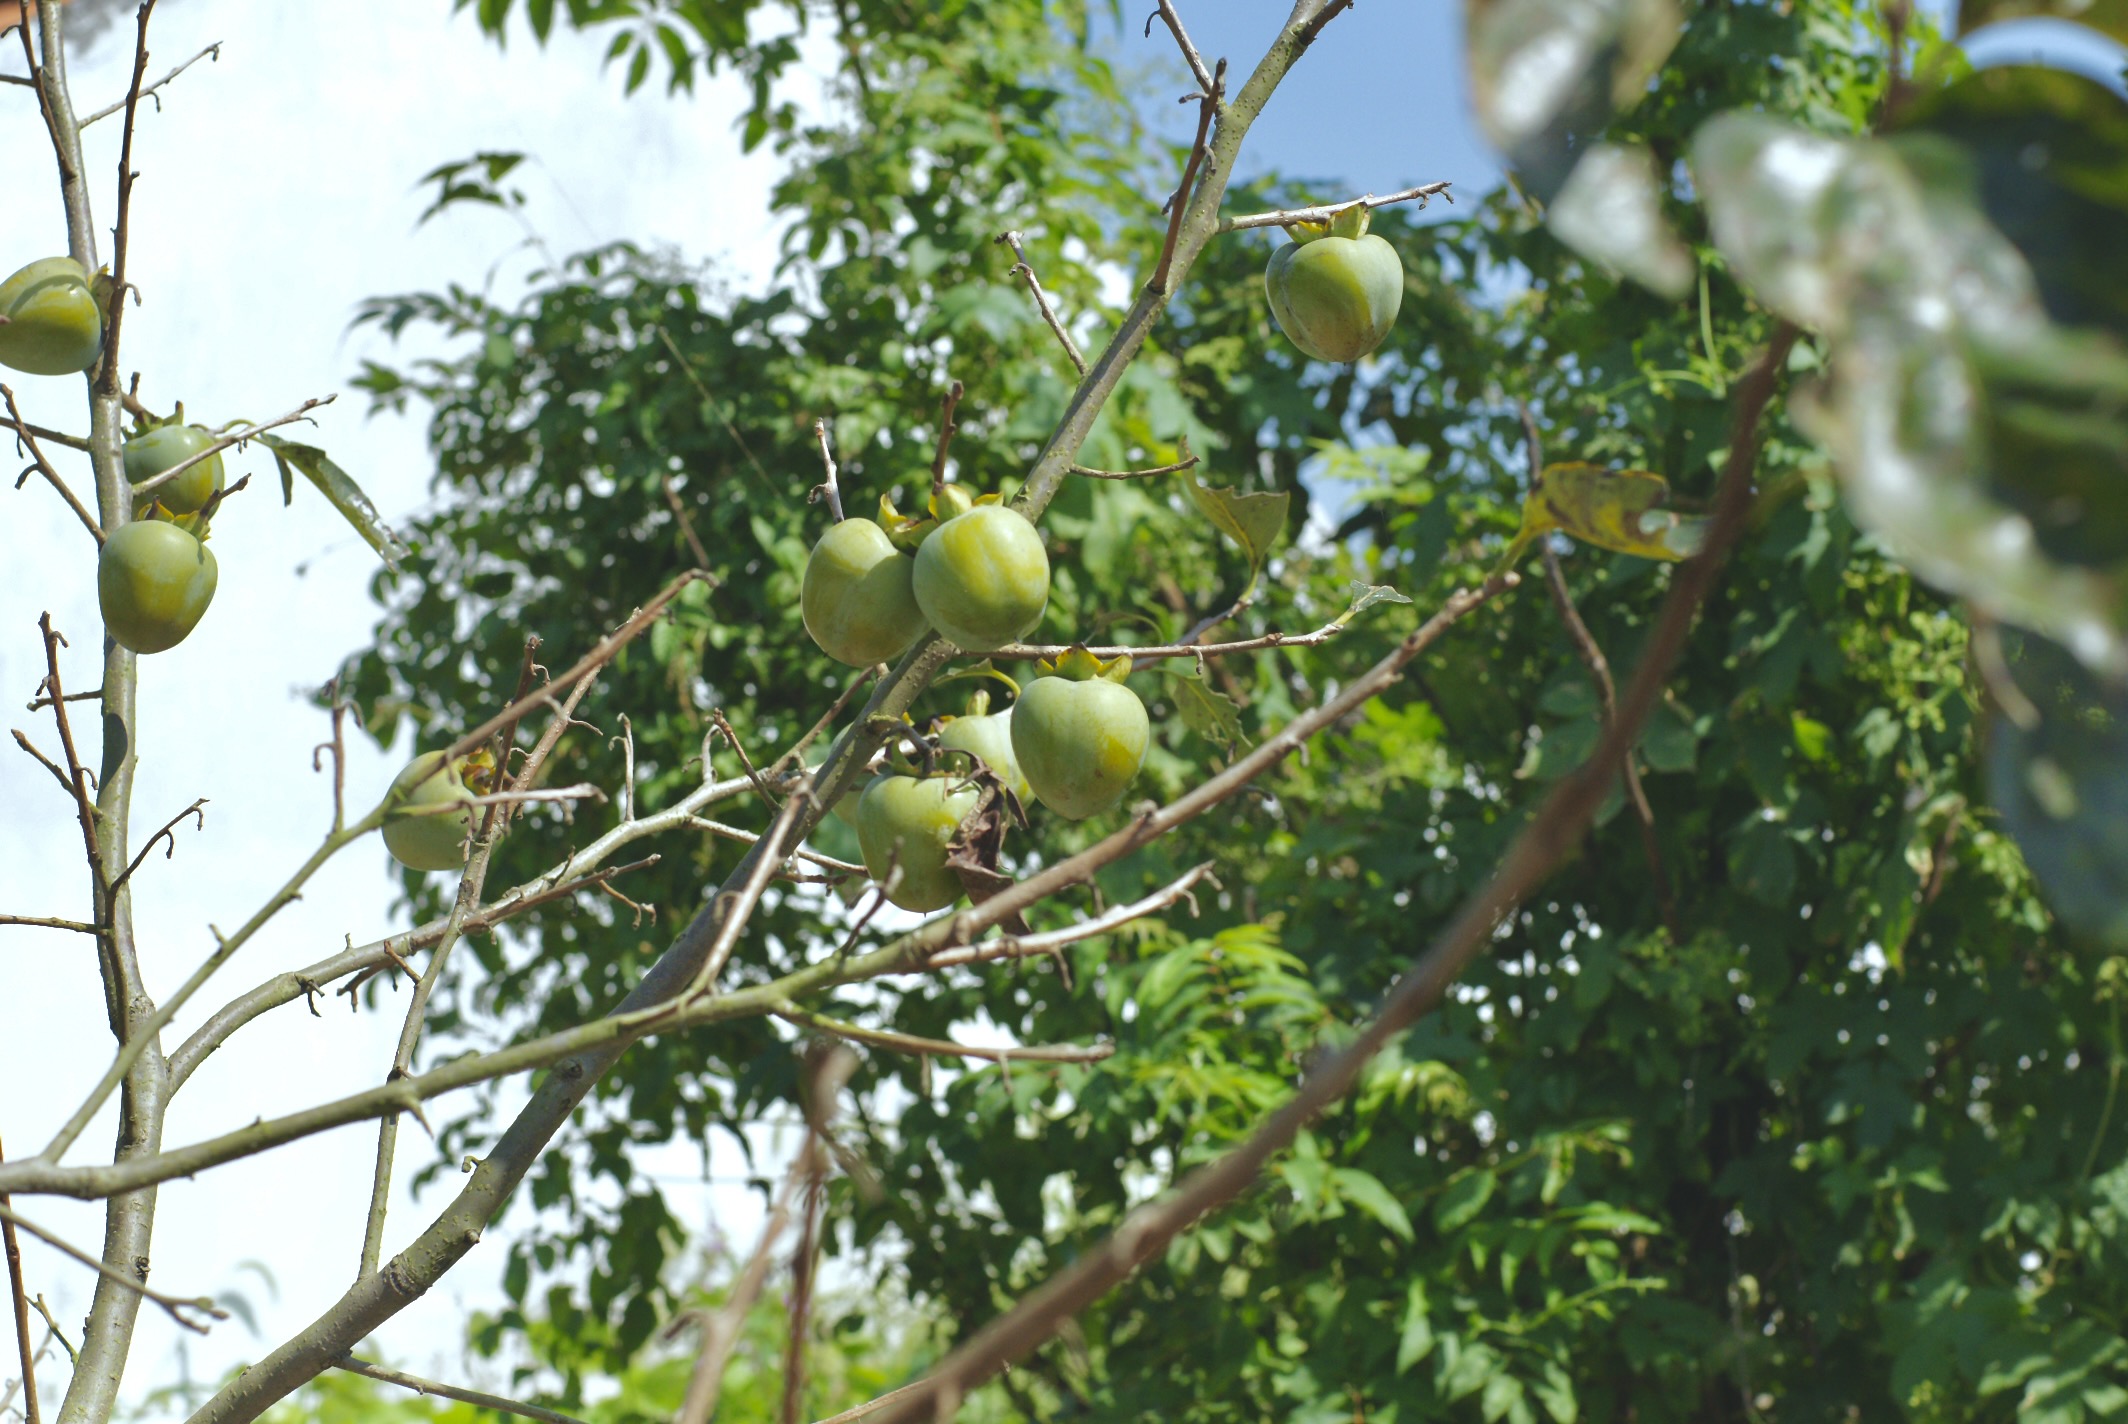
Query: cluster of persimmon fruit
point(976, 571)
point(155, 576)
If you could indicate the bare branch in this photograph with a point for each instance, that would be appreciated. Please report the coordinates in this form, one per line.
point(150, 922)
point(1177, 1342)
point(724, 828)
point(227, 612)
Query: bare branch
point(796, 754)
point(1185, 649)
point(12, 1248)
point(1023, 269)
point(827, 489)
point(451, 1391)
point(167, 833)
point(1324, 212)
point(1187, 462)
point(1179, 204)
point(105, 376)
point(107, 110)
point(1182, 39)
point(947, 404)
point(56, 437)
point(41, 922)
point(147, 488)
point(1049, 942)
point(77, 775)
point(26, 437)
point(941, 1048)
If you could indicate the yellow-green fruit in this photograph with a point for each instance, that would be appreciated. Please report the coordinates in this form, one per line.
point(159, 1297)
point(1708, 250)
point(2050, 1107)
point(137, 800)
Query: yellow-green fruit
point(982, 577)
point(166, 447)
point(1079, 744)
point(989, 737)
point(856, 598)
point(904, 824)
point(153, 583)
point(54, 322)
point(435, 841)
point(1336, 297)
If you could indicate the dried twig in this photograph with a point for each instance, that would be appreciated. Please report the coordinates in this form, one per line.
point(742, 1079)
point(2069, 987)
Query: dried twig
point(1182, 39)
point(1324, 212)
point(106, 377)
point(1050, 941)
point(12, 1248)
point(168, 833)
point(1187, 462)
point(947, 404)
point(107, 110)
point(172, 1305)
point(1022, 268)
point(1178, 204)
point(26, 437)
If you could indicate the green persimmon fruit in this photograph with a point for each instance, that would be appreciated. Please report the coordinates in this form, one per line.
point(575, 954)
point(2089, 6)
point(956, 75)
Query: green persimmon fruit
point(166, 447)
point(989, 736)
point(1336, 288)
point(982, 576)
point(54, 321)
point(436, 840)
point(904, 824)
point(153, 583)
point(857, 597)
point(1080, 734)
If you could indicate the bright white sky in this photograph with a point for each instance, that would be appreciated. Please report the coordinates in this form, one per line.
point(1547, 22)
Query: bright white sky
point(276, 193)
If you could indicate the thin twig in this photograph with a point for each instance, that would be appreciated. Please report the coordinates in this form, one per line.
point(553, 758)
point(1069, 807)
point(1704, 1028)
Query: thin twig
point(947, 404)
point(842, 868)
point(451, 1391)
point(826, 720)
point(26, 436)
point(830, 1072)
point(749, 894)
point(338, 747)
point(872, 1406)
point(1182, 38)
point(107, 110)
point(711, 401)
point(12, 1247)
point(827, 489)
point(77, 777)
point(1050, 941)
point(1022, 268)
point(172, 1305)
point(1187, 462)
point(167, 833)
point(1179, 204)
point(687, 524)
point(1185, 649)
point(43, 700)
point(721, 1328)
point(56, 437)
point(147, 488)
point(1324, 212)
point(122, 231)
point(41, 922)
point(942, 1048)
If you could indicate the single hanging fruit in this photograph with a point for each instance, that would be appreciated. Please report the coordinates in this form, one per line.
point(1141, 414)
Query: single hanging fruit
point(982, 576)
point(988, 735)
point(1336, 288)
point(435, 840)
point(153, 583)
point(1080, 734)
point(857, 598)
point(904, 824)
point(166, 447)
point(54, 321)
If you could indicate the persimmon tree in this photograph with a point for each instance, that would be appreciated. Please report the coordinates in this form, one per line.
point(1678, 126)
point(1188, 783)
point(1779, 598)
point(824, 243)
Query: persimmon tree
point(1364, 805)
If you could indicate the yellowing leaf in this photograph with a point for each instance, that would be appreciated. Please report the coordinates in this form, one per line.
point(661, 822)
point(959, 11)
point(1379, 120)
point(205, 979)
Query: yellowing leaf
point(1251, 520)
point(1620, 510)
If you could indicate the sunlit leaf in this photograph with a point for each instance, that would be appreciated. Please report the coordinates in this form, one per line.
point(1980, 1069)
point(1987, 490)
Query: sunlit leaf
point(1620, 510)
point(1207, 711)
point(340, 490)
point(1611, 212)
point(1252, 521)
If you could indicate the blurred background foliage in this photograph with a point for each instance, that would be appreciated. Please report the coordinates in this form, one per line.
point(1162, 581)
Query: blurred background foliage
point(1806, 1112)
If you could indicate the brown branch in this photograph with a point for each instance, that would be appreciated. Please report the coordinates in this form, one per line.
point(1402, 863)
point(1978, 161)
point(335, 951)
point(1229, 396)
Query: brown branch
point(1179, 203)
point(1547, 839)
point(338, 747)
point(1324, 212)
point(172, 1305)
point(43, 700)
point(12, 1247)
point(947, 404)
point(44, 761)
point(26, 437)
point(77, 777)
point(1195, 60)
point(56, 437)
point(1022, 268)
point(451, 1391)
point(1606, 691)
point(872, 1406)
point(167, 833)
point(687, 524)
point(106, 377)
point(107, 110)
point(827, 489)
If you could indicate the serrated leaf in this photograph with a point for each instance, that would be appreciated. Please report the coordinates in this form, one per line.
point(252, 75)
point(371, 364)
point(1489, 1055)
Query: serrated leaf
point(340, 491)
point(1251, 520)
point(1207, 711)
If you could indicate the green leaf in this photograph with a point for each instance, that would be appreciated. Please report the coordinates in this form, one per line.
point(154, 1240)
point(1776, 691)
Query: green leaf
point(1252, 521)
point(1556, 1393)
point(1205, 710)
point(1368, 595)
point(1464, 1199)
point(1365, 1191)
point(1415, 1343)
point(340, 491)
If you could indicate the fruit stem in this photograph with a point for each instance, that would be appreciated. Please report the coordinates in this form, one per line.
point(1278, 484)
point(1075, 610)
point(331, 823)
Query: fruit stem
point(946, 428)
